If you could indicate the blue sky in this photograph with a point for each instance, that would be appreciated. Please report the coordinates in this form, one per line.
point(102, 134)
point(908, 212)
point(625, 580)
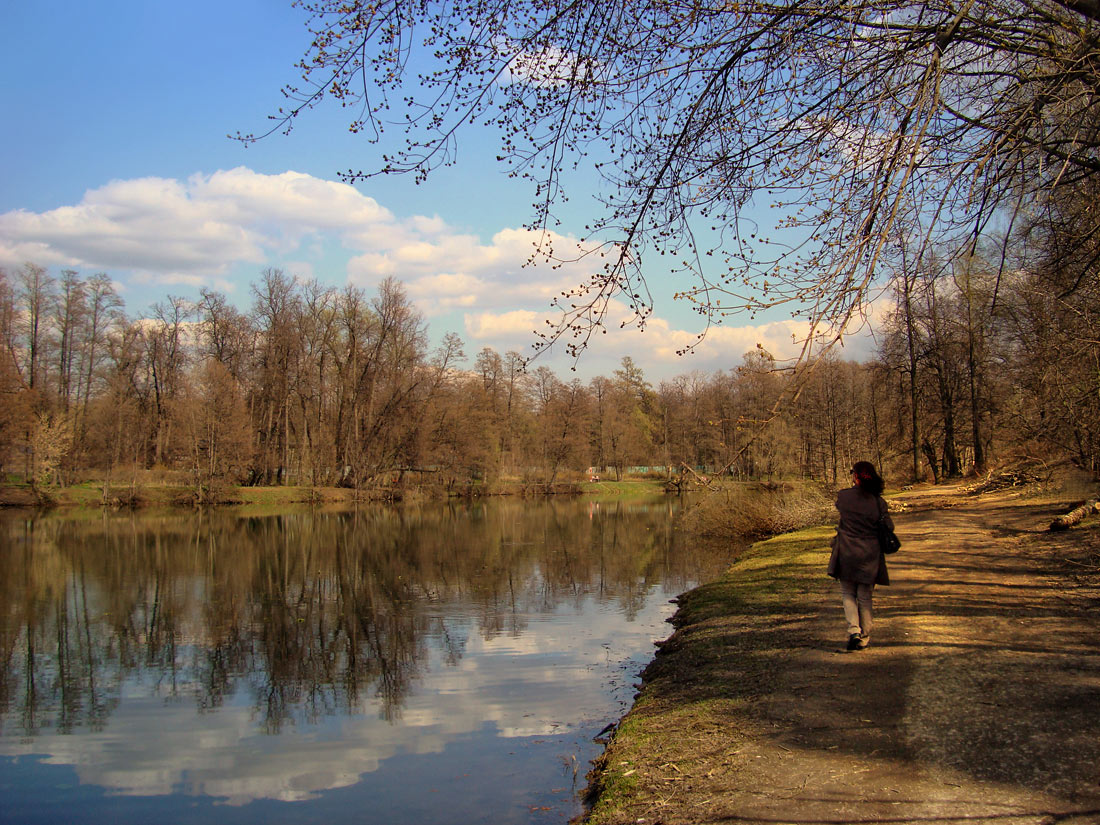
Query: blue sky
point(116, 159)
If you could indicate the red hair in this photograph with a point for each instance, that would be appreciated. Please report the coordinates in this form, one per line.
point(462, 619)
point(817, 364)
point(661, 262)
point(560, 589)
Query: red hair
point(867, 478)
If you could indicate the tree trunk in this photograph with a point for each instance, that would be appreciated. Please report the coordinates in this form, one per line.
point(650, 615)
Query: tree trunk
point(911, 351)
point(1074, 516)
point(930, 454)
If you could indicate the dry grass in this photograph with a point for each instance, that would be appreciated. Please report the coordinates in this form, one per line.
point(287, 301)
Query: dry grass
point(754, 510)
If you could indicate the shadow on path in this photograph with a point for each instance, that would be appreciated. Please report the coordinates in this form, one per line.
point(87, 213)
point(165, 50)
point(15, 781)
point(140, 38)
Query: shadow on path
point(978, 700)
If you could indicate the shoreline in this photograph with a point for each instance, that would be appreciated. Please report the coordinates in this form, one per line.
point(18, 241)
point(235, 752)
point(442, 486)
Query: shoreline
point(119, 497)
point(753, 711)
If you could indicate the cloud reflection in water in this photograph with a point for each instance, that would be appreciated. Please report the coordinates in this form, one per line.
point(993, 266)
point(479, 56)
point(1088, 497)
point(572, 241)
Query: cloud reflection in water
point(246, 659)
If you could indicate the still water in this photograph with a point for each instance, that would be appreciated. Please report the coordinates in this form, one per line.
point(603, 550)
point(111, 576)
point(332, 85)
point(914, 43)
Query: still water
point(441, 665)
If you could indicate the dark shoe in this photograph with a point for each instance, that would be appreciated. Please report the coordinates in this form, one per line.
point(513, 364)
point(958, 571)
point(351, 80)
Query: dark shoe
point(863, 642)
point(853, 641)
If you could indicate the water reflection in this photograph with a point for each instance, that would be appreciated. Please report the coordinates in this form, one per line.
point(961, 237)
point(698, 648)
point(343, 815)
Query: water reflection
point(246, 658)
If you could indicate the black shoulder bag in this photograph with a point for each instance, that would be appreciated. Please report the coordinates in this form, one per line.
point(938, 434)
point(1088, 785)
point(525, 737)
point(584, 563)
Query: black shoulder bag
point(887, 540)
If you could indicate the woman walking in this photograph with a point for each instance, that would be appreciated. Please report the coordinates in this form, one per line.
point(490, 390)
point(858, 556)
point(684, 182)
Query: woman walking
point(856, 562)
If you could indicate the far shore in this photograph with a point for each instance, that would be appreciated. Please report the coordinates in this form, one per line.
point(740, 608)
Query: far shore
point(159, 494)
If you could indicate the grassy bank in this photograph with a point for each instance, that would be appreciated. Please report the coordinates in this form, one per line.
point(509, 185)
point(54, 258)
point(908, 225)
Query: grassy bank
point(627, 488)
point(755, 649)
point(753, 712)
point(729, 637)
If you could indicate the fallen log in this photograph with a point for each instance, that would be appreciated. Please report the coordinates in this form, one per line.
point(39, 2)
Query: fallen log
point(1075, 515)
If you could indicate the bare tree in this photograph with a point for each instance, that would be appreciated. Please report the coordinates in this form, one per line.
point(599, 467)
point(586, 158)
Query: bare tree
point(561, 411)
point(36, 293)
point(216, 429)
point(102, 316)
point(166, 362)
point(15, 419)
point(69, 311)
point(225, 333)
point(859, 121)
point(1052, 349)
point(974, 283)
point(277, 354)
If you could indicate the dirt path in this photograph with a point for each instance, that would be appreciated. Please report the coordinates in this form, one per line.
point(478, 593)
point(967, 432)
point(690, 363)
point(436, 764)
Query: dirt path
point(977, 702)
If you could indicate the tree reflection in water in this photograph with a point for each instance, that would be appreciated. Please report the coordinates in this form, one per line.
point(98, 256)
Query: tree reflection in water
point(308, 614)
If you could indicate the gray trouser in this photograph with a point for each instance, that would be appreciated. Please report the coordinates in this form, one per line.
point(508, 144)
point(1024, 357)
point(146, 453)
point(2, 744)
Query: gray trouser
point(856, 599)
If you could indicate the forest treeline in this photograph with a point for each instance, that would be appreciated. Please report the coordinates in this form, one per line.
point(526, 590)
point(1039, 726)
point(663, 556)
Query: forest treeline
point(315, 385)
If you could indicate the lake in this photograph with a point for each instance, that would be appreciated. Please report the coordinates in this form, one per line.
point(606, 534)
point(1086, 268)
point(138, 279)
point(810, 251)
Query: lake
point(448, 664)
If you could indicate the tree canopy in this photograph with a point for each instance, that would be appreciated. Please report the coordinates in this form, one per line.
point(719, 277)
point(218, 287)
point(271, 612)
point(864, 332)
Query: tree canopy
point(866, 125)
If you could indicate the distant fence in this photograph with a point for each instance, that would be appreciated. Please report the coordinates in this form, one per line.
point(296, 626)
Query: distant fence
point(652, 469)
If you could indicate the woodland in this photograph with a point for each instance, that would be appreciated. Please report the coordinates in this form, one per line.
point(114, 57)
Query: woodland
point(315, 385)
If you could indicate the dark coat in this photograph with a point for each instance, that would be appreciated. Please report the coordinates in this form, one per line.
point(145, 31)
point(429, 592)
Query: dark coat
point(856, 556)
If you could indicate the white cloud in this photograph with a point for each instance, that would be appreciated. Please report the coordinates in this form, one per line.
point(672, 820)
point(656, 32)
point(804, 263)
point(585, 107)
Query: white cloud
point(147, 224)
point(290, 199)
point(447, 271)
point(182, 232)
point(552, 67)
point(209, 229)
point(502, 326)
point(199, 231)
point(657, 348)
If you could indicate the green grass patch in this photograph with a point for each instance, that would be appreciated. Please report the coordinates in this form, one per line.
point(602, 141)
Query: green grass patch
point(85, 494)
point(628, 488)
point(696, 702)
